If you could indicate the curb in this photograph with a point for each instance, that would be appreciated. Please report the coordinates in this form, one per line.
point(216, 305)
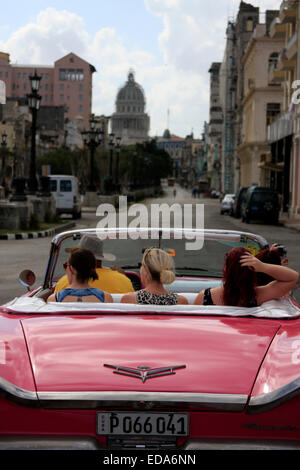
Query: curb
point(295, 228)
point(41, 234)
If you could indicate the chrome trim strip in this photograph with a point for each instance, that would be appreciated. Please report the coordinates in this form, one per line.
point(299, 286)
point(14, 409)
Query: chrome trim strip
point(219, 401)
point(241, 444)
point(39, 442)
point(270, 400)
point(17, 392)
point(91, 399)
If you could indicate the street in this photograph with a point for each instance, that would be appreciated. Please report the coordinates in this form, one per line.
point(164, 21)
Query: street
point(17, 255)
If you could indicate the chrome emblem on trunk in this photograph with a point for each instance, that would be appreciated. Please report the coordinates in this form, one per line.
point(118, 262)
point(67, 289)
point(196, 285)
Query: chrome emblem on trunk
point(144, 372)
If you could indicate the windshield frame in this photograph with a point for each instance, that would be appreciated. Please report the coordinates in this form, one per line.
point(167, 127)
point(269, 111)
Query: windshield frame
point(153, 233)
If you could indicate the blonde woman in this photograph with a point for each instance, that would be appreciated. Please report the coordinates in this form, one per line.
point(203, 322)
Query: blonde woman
point(156, 270)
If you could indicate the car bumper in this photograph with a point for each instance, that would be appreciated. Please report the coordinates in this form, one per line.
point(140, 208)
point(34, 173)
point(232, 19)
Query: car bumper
point(86, 443)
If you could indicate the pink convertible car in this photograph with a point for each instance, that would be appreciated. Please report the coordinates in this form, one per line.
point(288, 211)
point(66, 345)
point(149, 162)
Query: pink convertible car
point(120, 376)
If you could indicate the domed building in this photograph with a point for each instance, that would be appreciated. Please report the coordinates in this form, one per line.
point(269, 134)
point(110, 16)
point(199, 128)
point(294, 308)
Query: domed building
point(129, 121)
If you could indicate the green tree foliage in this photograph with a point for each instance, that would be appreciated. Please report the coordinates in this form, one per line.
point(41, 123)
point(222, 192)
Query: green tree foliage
point(64, 161)
point(145, 164)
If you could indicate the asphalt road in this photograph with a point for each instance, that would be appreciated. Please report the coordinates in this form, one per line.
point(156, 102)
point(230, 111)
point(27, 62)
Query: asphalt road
point(16, 255)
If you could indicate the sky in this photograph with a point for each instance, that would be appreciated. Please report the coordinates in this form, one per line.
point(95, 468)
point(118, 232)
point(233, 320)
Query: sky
point(170, 45)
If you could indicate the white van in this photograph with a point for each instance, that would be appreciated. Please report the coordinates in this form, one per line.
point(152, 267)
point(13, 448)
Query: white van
point(65, 191)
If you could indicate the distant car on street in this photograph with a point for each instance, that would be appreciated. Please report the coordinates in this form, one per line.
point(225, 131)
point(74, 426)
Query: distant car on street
point(260, 203)
point(227, 203)
point(65, 190)
point(239, 197)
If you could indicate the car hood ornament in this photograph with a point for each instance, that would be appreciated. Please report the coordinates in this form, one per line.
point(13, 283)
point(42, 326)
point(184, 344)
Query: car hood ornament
point(144, 372)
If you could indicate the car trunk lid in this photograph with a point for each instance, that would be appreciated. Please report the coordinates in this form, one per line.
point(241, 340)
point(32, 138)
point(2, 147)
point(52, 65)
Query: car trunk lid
point(217, 355)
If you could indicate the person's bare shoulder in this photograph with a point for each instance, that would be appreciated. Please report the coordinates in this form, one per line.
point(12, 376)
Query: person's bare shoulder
point(182, 300)
point(128, 298)
point(199, 299)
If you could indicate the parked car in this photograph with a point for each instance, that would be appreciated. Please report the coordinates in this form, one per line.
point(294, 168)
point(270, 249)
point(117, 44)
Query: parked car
point(215, 194)
point(105, 376)
point(260, 203)
point(65, 190)
point(227, 203)
point(239, 197)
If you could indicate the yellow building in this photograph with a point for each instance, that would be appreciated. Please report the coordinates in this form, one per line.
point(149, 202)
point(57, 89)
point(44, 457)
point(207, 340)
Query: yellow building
point(284, 132)
point(261, 104)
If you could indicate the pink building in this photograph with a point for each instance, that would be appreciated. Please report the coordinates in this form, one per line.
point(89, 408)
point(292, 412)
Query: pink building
point(66, 83)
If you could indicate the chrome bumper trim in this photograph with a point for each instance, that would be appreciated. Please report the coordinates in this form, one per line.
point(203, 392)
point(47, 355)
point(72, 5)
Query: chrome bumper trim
point(225, 402)
point(270, 400)
point(108, 398)
point(48, 443)
point(17, 392)
point(240, 444)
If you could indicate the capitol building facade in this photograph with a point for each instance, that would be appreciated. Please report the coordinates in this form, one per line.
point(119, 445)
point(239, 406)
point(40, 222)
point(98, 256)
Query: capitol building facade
point(130, 121)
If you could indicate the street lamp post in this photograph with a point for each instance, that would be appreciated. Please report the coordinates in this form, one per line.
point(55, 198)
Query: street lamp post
point(118, 148)
point(34, 100)
point(92, 138)
point(3, 145)
point(111, 144)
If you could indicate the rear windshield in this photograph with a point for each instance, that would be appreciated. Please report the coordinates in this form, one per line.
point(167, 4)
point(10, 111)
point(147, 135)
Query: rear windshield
point(261, 196)
point(66, 186)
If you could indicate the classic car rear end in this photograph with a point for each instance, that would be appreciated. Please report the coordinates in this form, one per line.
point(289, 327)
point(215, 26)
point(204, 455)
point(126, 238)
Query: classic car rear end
point(117, 376)
point(153, 380)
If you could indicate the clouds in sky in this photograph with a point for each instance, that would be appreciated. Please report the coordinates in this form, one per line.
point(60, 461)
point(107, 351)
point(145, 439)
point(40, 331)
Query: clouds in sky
point(192, 37)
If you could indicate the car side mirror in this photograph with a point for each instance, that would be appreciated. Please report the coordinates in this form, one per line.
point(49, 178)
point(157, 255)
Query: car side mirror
point(27, 278)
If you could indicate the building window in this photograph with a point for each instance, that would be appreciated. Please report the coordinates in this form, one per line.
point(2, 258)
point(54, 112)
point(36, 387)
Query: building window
point(61, 97)
point(62, 74)
point(249, 24)
point(80, 107)
point(62, 86)
point(273, 59)
point(79, 75)
point(80, 97)
point(273, 110)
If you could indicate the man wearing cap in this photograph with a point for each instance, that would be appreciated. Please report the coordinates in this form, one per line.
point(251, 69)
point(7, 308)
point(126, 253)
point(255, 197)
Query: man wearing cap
point(109, 280)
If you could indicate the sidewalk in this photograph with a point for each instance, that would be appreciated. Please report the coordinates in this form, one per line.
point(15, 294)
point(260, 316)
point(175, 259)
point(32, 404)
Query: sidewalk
point(38, 234)
point(291, 223)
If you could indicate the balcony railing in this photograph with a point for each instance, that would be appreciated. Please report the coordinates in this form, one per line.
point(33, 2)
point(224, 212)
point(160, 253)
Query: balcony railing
point(282, 127)
point(274, 22)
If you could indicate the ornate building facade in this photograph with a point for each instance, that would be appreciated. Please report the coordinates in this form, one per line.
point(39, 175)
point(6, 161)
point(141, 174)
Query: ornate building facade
point(130, 121)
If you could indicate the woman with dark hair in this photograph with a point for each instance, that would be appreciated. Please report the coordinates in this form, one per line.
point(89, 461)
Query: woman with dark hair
point(270, 256)
point(240, 282)
point(80, 267)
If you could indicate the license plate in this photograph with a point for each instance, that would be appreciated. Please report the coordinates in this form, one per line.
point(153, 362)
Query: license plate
point(146, 424)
